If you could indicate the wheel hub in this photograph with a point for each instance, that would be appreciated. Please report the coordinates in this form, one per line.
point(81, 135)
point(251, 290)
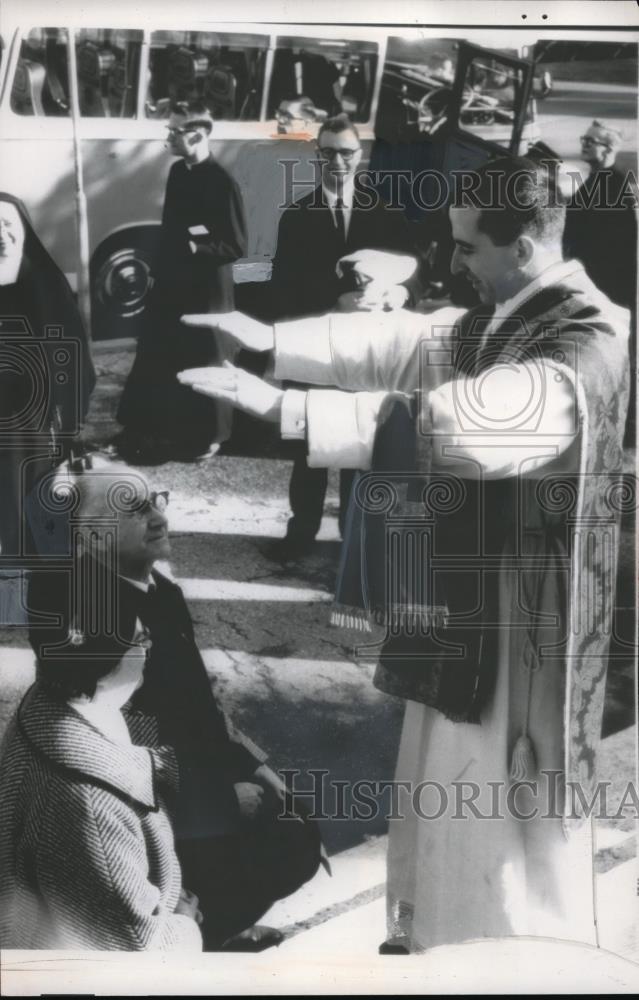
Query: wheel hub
point(124, 281)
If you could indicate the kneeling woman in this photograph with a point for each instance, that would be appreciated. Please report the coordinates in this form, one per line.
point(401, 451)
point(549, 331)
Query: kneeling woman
point(86, 845)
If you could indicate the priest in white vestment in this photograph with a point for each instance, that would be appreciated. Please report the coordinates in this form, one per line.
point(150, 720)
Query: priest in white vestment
point(507, 863)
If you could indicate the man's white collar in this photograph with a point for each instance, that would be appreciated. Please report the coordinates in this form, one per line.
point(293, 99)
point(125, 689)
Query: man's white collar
point(161, 568)
point(140, 584)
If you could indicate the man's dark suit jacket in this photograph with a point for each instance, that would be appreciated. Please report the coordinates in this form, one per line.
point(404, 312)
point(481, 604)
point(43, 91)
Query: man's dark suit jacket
point(304, 281)
point(601, 232)
point(177, 690)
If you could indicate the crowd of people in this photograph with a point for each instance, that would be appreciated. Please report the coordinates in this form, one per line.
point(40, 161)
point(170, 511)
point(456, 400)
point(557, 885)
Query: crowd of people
point(134, 816)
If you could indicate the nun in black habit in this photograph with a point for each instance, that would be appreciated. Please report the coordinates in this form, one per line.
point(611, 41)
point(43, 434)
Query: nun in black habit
point(46, 379)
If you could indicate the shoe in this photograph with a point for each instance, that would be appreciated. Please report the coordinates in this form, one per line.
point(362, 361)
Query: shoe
point(211, 452)
point(392, 948)
point(185, 455)
point(288, 550)
point(182, 452)
point(256, 938)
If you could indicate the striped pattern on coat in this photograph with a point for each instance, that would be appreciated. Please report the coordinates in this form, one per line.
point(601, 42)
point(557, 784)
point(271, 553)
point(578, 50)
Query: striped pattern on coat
point(87, 858)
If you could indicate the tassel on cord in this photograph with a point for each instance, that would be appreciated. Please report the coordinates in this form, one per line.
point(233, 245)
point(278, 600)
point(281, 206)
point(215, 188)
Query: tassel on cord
point(351, 619)
point(523, 764)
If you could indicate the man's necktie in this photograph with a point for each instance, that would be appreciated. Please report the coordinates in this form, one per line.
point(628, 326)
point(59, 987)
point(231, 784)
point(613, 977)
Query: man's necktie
point(340, 221)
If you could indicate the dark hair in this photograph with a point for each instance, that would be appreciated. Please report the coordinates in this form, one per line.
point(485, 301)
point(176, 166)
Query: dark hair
point(336, 124)
point(80, 648)
point(196, 109)
point(75, 676)
point(516, 196)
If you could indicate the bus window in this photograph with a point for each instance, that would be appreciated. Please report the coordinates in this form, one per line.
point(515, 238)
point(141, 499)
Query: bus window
point(108, 67)
point(226, 71)
point(323, 78)
point(491, 97)
point(41, 82)
point(416, 86)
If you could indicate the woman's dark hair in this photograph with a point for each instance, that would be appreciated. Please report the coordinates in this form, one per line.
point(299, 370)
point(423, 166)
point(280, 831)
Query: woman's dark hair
point(75, 676)
point(82, 645)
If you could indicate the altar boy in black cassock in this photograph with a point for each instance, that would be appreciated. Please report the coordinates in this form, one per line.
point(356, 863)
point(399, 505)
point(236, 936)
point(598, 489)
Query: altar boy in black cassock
point(203, 231)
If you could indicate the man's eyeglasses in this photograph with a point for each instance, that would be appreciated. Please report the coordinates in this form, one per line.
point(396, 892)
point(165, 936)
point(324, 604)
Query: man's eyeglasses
point(328, 153)
point(587, 140)
point(154, 501)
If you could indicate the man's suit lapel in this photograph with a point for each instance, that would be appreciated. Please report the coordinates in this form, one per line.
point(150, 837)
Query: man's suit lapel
point(320, 227)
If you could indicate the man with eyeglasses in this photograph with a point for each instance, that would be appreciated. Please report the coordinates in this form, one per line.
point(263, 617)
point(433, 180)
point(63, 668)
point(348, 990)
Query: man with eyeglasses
point(601, 231)
point(341, 216)
point(601, 228)
point(234, 853)
point(203, 231)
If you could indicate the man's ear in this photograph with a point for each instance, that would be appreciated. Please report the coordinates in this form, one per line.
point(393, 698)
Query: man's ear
point(525, 250)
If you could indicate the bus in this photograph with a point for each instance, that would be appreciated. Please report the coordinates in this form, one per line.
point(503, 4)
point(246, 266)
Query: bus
point(268, 87)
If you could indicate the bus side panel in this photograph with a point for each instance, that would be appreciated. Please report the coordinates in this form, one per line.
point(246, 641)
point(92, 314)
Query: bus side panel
point(124, 183)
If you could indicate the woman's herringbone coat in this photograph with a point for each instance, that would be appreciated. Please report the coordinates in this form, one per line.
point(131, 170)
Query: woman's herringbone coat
point(86, 846)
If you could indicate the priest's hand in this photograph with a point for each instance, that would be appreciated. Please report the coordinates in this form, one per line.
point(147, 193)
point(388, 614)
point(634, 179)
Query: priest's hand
point(248, 332)
point(234, 385)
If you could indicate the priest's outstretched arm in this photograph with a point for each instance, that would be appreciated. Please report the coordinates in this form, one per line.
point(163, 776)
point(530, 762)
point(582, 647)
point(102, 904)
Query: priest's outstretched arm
point(491, 442)
point(353, 351)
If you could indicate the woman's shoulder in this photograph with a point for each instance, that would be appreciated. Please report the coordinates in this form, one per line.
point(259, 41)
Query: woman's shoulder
point(18, 761)
point(81, 755)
